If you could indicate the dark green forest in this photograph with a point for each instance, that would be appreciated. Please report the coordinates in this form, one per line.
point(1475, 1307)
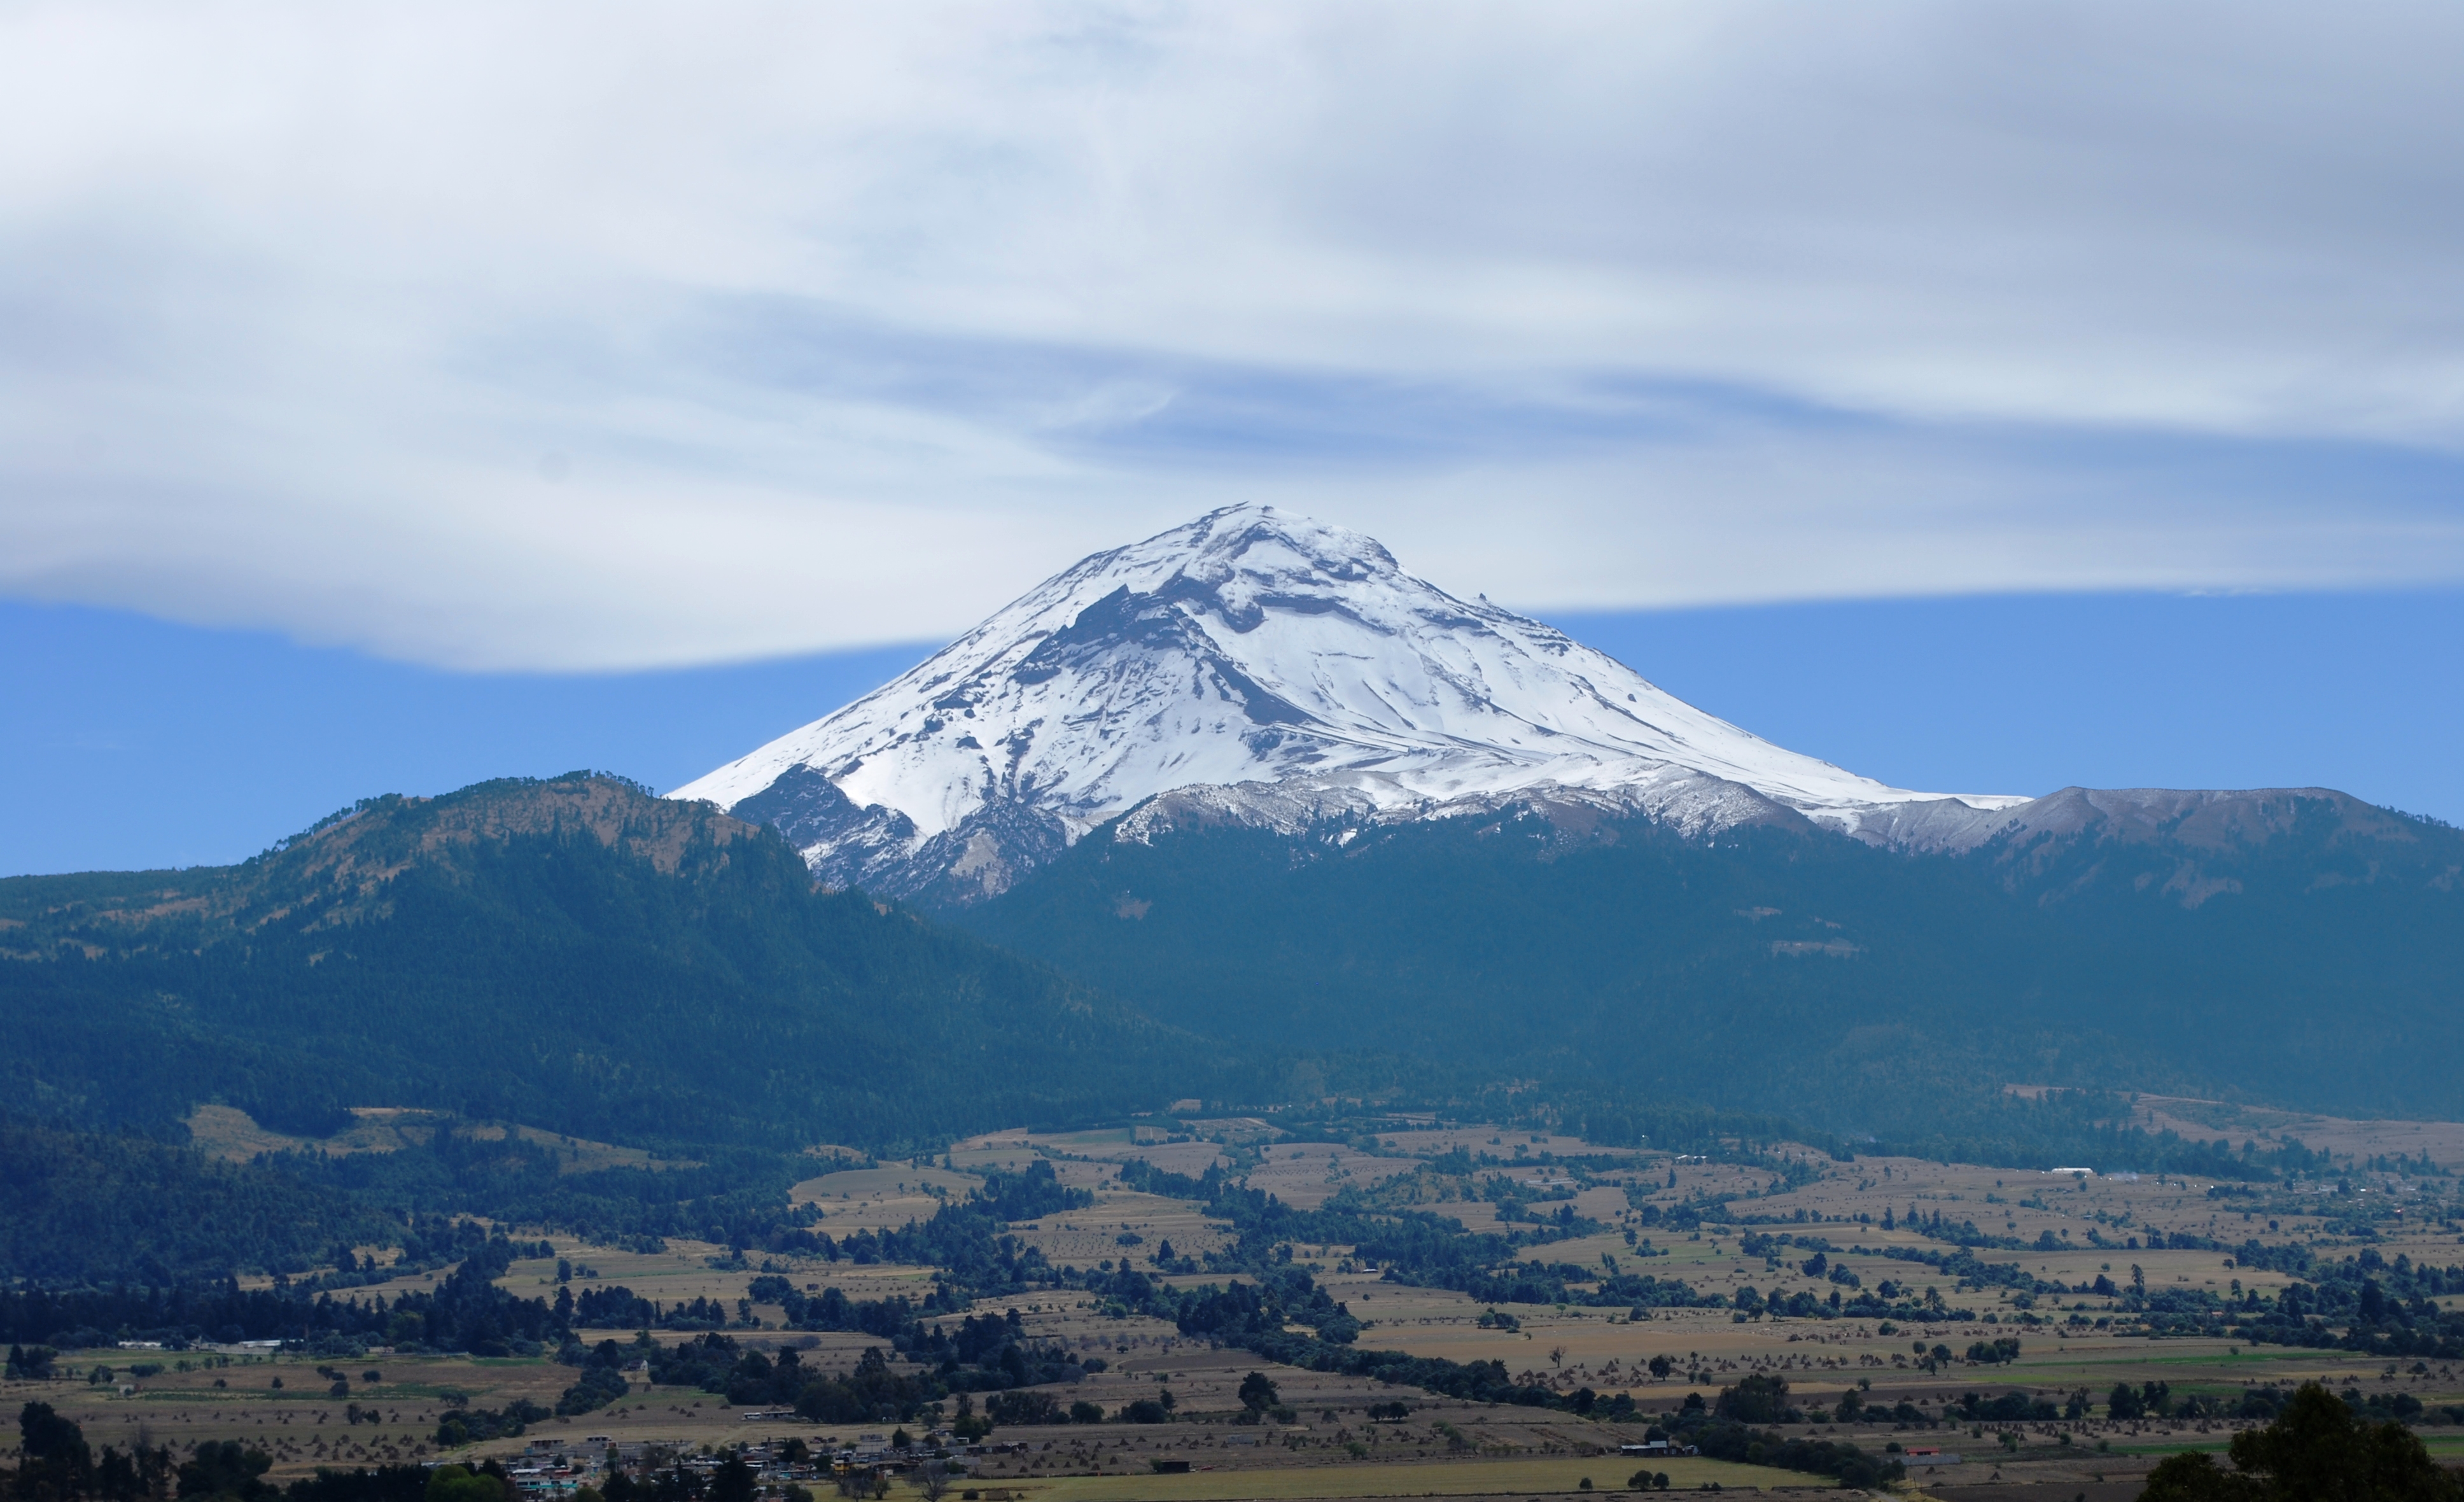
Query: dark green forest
point(1881, 995)
point(130, 1209)
point(576, 955)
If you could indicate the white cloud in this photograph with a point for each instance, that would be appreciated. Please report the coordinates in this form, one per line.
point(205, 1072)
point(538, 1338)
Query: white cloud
point(539, 335)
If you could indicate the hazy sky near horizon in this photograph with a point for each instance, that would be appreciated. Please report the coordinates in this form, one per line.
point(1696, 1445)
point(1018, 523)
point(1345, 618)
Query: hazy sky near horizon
point(552, 338)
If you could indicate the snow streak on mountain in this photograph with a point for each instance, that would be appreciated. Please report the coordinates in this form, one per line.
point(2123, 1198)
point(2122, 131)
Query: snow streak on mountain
point(1262, 669)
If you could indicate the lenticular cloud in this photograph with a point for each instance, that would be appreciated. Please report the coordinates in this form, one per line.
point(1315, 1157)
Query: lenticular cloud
point(526, 336)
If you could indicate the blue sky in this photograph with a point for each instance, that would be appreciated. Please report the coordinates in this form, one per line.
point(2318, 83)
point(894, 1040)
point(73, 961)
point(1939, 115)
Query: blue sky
point(458, 389)
point(135, 743)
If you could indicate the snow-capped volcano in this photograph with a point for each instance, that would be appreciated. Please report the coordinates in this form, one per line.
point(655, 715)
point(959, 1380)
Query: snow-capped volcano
point(1291, 664)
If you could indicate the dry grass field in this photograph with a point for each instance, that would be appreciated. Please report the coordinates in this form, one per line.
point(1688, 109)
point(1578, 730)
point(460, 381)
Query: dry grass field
point(230, 1134)
point(1413, 1478)
point(881, 1199)
point(1511, 1450)
point(2442, 1142)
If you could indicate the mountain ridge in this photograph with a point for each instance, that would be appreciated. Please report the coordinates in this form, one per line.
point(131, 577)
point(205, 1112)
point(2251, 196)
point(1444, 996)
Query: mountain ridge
point(2294, 946)
point(572, 953)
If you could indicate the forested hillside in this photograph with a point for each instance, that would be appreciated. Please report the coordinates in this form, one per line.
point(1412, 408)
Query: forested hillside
point(573, 953)
point(2311, 954)
point(126, 1208)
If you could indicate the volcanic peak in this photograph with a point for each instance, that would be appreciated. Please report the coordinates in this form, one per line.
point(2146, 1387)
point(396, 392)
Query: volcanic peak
point(1248, 650)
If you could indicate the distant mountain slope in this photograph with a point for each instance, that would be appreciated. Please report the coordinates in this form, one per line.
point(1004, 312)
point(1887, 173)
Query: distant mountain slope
point(1247, 647)
point(2297, 945)
point(1253, 777)
point(573, 953)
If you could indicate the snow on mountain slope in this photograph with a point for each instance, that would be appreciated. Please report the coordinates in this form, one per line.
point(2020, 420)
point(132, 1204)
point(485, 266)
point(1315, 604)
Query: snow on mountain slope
point(1250, 650)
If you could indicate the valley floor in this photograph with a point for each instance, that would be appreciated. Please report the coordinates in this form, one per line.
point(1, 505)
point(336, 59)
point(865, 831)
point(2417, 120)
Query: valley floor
point(2069, 1345)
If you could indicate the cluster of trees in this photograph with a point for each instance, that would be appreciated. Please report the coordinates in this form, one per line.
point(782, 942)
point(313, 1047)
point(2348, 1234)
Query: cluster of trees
point(2154, 1399)
point(2012, 1407)
point(30, 1364)
point(893, 1318)
point(983, 1353)
point(456, 1427)
point(1726, 1430)
point(1853, 1409)
point(1963, 1270)
point(600, 1382)
point(1030, 1194)
point(91, 1206)
point(2382, 1308)
point(969, 1238)
point(1822, 1457)
point(1024, 1407)
point(616, 1307)
point(971, 1354)
point(874, 1391)
point(1280, 1297)
point(1849, 1297)
point(1750, 1302)
point(2317, 1447)
point(466, 1313)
